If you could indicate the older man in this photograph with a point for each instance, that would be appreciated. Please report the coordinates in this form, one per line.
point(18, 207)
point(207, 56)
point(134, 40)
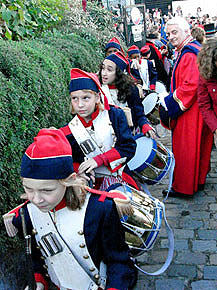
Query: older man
point(191, 139)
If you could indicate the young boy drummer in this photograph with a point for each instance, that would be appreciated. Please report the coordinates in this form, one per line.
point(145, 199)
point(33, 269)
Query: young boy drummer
point(99, 134)
point(79, 236)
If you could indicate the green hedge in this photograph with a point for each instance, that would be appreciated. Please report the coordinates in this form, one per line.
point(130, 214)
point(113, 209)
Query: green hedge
point(34, 77)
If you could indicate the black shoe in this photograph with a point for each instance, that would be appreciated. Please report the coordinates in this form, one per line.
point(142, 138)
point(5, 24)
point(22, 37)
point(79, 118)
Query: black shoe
point(200, 187)
point(173, 193)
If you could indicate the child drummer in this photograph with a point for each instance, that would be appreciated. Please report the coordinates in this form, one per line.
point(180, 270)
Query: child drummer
point(99, 134)
point(80, 237)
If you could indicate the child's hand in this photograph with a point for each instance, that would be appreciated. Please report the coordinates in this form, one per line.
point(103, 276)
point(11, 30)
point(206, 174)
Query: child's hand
point(39, 286)
point(151, 134)
point(87, 166)
point(90, 178)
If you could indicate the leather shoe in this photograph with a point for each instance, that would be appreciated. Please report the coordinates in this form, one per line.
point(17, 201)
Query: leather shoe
point(173, 193)
point(201, 187)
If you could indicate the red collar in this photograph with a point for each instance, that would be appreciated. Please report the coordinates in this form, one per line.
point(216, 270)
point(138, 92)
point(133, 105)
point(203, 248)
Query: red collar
point(112, 87)
point(188, 39)
point(61, 205)
point(93, 117)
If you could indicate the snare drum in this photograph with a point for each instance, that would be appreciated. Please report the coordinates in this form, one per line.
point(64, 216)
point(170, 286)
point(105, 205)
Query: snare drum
point(160, 87)
point(151, 162)
point(142, 228)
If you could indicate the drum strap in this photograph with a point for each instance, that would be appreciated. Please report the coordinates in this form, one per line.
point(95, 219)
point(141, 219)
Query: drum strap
point(167, 226)
point(170, 251)
point(171, 170)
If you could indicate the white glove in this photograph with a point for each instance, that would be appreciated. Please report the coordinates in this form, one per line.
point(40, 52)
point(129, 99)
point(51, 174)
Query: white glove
point(135, 64)
point(161, 100)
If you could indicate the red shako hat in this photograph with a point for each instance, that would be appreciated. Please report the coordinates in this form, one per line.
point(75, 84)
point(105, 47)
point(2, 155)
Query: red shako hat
point(82, 80)
point(48, 157)
point(114, 42)
point(145, 50)
point(132, 50)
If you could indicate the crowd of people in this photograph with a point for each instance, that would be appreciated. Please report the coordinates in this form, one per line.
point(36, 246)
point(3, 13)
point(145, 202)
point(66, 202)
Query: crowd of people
point(67, 173)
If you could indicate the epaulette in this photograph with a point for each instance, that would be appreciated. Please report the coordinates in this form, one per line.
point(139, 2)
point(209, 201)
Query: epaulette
point(8, 217)
point(121, 200)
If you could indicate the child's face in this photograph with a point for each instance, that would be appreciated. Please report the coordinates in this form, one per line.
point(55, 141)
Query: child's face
point(45, 194)
point(84, 103)
point(147, 56)
point(111, 50)
point(135, 56)
point(108, 72)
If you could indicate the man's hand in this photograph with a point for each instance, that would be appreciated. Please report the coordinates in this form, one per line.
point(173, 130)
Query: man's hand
point(161, 100)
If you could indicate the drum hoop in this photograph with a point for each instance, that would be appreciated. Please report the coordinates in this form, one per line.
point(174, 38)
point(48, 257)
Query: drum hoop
point(166, 169)
point(155, 231)
point(150, 158)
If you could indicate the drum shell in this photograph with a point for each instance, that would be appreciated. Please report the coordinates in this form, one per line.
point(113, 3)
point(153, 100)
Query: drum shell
point(142, 228)
point(153, 168)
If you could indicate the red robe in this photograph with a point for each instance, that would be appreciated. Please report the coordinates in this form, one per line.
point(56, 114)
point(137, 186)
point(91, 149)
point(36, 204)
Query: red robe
point(191, 138)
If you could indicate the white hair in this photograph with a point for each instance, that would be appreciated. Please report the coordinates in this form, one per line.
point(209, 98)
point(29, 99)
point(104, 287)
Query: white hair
point(180, 22)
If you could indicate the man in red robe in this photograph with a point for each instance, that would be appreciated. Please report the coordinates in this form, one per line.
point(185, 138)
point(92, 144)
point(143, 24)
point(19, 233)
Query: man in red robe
point(191, 138)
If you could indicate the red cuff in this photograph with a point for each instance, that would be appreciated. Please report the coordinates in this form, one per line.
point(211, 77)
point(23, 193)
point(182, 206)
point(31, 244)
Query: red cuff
point(99, 160)
point(75, 166)
point(111, 155)
point(112, 289)
point(152, 87)
point(146, 128)
point(39, 278)
point(107, 157)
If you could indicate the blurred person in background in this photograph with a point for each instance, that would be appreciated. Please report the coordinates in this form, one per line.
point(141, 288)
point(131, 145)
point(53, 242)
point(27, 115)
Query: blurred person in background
point(207, 85)
point(199, 34)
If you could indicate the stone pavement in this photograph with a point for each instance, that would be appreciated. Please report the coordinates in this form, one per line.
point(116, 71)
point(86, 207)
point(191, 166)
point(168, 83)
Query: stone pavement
point(194, 223)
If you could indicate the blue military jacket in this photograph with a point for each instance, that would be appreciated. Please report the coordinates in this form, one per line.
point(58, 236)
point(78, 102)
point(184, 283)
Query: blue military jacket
point(125, 145)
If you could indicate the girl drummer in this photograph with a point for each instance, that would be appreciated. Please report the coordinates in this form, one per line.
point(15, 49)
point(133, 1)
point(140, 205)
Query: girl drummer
point(76, 237)
point(99, 135)
point(121, 91)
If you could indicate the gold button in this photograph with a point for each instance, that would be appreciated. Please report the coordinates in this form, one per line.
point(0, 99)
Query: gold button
point(82, 245)
point(45, 266)
point(96, 276)
point(85, 256)
point(92, 269)
point(34, 231)
point(42, 257)
point(80, 232)
point(47, 275)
